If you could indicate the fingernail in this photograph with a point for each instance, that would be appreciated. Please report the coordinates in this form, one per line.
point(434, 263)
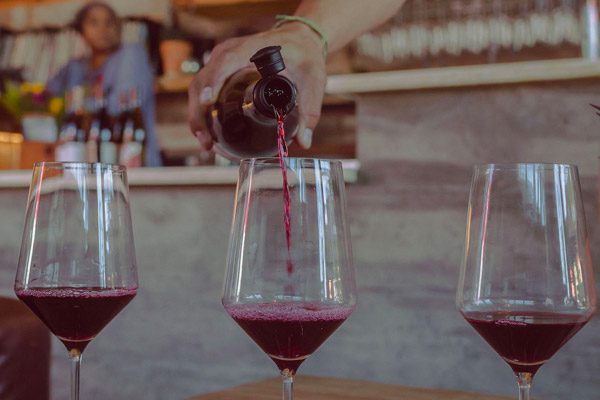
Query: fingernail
point(305, 138)
point(200, 136)
point(206, 95)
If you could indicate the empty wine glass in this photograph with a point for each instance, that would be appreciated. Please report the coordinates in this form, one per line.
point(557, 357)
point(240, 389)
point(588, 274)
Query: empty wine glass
point(77, 266)
point(526, 283)
point(289, 300)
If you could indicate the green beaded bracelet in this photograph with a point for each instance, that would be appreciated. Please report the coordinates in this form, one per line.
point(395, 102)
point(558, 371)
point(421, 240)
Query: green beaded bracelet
point(282, 19)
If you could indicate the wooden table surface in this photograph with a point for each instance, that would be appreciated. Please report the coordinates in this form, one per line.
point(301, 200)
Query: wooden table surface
point(316, 388)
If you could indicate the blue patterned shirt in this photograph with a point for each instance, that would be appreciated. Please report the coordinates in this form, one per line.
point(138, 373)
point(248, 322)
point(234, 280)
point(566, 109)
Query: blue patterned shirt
point(125, 69)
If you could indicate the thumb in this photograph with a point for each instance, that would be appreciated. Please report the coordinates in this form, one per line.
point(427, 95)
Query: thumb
point(310, 102)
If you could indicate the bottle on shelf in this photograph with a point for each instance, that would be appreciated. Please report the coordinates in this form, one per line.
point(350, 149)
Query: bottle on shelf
point(118, 124)
point(71, 145)
point(134, 133)
point(243, 120)
point(101, 131)
point(92, 123)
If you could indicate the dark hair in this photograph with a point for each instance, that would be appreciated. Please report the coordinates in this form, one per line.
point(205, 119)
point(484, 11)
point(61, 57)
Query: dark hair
point(77, 23)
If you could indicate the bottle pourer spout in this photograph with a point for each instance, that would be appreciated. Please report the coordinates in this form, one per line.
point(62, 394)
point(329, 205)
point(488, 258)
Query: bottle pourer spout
point(268, 61)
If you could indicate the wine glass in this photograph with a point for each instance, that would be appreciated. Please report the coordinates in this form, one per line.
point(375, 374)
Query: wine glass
point(289, 300)
point(526, 283)
point(77, 266)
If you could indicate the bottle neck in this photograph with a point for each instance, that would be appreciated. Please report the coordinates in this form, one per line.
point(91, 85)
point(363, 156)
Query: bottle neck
point(274, 95)
point(76, 101)
point(134, 99)
point(100, 106)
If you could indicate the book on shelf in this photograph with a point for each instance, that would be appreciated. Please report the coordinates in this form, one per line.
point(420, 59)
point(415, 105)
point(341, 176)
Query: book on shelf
point(40, 54)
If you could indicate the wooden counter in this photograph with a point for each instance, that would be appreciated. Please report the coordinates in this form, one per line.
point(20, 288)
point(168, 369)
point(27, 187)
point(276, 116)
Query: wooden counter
point(316, 388)
point(171, 176)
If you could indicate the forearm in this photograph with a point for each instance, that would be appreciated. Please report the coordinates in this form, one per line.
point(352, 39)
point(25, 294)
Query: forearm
point(343, 20)
point(339, 20)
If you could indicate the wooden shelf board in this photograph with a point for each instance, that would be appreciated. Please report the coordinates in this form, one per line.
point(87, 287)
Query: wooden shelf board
point(4, 4)
point(448, 77)
point(464, 76)
point(215, 3)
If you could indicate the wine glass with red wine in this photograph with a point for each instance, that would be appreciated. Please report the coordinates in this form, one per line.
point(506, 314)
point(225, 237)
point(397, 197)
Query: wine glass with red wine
point(77, 266)
point(289, 282)
point(526, 283)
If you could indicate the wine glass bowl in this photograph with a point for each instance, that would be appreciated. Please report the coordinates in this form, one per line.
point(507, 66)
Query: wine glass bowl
point(77, 267)
point(289, 300)
point(526, 282)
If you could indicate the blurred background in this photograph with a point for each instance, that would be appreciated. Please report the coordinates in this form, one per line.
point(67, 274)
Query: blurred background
point(37, 40)
point(409, 106)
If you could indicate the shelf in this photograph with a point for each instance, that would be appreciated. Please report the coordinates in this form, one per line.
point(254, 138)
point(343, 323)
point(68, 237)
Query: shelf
point(464, 76)
point(215, 3)
point(27, 3)
point(178, 84)
point(448, 77)
point(27, 15)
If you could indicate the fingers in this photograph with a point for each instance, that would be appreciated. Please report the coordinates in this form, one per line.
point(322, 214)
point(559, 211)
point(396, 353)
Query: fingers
point(197, 111)
point(226, 58)
point(311, 89)
point(234, 54)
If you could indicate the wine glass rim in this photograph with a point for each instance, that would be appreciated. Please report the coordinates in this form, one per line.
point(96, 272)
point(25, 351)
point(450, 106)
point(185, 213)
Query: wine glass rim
point(275, 160)
point(79, 165)
point(519, 165)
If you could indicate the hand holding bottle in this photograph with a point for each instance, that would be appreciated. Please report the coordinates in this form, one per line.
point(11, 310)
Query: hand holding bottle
point(305, 66)
point(316, 26)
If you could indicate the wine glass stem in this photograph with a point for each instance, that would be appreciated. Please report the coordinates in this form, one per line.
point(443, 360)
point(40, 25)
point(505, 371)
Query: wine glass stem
point(75, 366)
point(288, 385)
point(524, 392)
point(524, 380)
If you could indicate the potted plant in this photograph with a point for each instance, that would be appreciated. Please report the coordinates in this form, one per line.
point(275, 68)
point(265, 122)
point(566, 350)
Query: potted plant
point(38, 111)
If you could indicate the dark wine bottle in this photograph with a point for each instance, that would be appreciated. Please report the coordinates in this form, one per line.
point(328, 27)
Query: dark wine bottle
point(67, 128)
point(118, 124)
point(243, 120)
point(134, 133)
point(71, 144)
point(91, 123)
point(101, 131)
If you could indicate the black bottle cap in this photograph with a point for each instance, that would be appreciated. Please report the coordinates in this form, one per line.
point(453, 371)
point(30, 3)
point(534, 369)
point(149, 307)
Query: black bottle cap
point(268, 61)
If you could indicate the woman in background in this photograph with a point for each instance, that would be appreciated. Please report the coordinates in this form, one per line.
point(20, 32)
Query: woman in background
point(120, 68)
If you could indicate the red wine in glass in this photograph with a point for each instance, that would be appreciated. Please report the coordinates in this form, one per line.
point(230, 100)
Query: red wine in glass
point(76, 315)
point(526, 340)
point(288, 332)
point(289, 313)
point(526, 282)
point(77, 267)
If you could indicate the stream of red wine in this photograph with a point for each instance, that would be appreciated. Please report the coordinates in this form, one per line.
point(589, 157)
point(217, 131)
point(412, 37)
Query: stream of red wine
point(282, 152)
